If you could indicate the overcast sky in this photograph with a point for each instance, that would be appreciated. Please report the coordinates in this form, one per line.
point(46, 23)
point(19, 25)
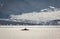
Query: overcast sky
point(8, 7)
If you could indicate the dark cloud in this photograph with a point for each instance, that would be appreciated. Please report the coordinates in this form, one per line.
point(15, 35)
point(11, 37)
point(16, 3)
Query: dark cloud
point(25, 6)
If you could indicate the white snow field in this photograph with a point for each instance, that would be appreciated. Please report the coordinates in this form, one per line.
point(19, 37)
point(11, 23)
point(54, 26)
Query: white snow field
point(33, 32)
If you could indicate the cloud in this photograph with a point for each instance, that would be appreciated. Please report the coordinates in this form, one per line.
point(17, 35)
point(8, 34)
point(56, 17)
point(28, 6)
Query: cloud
point(25, 6)
point(41, 16)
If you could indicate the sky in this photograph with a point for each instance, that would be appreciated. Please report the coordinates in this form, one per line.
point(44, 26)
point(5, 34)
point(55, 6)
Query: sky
point(8, 7)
